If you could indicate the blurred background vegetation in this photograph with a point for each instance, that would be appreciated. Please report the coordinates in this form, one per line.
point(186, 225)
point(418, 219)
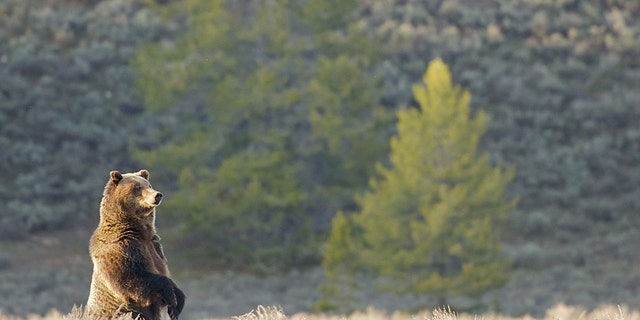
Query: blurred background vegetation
point(261, 120)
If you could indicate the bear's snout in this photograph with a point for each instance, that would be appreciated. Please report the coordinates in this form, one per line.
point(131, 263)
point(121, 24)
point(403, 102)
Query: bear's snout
point(158, 198)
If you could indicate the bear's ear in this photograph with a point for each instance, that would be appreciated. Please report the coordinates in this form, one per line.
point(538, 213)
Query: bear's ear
point(116, 176)
point(144, 173)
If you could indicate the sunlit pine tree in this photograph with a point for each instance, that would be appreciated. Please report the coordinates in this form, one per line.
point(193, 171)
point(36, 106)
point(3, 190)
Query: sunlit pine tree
point(430, 222)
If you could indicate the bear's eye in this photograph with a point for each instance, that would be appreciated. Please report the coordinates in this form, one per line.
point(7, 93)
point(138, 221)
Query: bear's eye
point(137, 189)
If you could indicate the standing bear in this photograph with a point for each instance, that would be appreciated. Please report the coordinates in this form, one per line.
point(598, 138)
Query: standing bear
point(130, 273)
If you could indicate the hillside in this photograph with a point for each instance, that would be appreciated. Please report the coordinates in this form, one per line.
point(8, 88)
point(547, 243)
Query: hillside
point(286, 121)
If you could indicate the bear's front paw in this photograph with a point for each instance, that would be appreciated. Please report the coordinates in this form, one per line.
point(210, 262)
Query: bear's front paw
point(168, 297)
point(173, 313)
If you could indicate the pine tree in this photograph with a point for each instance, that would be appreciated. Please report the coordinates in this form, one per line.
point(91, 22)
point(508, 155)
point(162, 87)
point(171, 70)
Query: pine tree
point(430, 221)
point(261, 132)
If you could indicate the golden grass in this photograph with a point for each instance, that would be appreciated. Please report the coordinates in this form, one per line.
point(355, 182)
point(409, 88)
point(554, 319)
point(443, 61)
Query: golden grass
point(559, 312)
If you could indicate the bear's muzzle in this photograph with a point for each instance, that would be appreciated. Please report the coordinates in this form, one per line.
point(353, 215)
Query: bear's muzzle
point(158, 198)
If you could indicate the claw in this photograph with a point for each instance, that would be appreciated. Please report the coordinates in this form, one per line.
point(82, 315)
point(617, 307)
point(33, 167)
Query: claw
point(173, 314)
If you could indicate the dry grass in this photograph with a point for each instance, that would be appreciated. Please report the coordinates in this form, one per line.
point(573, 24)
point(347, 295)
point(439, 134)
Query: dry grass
point(559, 312)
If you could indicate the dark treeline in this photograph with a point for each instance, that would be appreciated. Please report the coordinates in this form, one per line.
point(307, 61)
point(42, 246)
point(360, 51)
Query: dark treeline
point(265, 118)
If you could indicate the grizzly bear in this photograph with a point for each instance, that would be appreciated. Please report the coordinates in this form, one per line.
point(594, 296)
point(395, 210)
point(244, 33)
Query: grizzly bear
point(130, 273)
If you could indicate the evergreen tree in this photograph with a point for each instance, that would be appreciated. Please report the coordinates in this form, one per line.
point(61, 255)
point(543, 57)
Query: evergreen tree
point(560, 83)
point(430, 221)
point(261, 132)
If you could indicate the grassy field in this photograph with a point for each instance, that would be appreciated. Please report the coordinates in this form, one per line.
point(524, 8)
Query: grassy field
point(559, 312)
point(53, 271)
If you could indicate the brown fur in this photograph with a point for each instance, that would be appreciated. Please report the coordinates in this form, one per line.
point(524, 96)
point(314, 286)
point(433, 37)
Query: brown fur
point(130, 272)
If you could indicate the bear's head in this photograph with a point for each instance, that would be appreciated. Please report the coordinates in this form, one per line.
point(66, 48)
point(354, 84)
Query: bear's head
point(132, 193)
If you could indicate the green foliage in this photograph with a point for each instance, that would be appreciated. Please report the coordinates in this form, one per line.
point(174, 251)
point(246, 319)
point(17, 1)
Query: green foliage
point(431, 222)
point(559, 81)
point(340, 247)
point(331, 15)
point(260, 129)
